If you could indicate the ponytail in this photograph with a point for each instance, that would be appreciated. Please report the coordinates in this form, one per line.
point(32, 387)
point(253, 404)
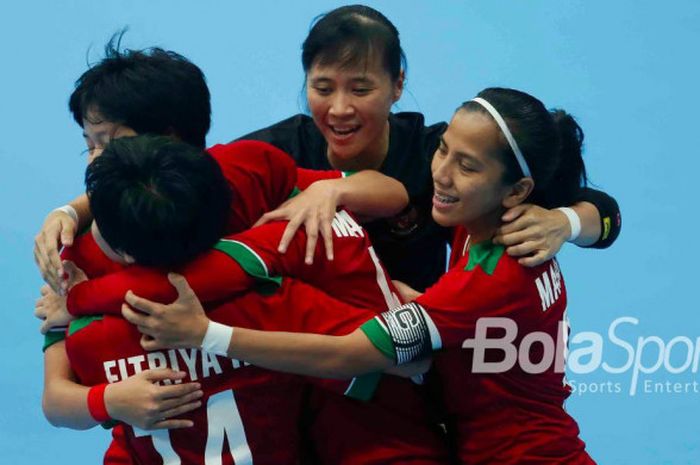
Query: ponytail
point(570, 175)
point(550, 142)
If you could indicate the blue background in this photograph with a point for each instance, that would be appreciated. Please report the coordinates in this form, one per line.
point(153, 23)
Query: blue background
point(627, 69)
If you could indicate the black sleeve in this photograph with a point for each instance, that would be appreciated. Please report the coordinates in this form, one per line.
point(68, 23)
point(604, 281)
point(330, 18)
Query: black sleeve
point(610, 217)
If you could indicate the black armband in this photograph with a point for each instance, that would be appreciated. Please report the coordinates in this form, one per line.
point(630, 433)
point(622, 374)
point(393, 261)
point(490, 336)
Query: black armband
point(610, 217)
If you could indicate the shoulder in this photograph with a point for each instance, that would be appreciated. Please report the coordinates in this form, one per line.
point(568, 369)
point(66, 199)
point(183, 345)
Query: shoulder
point(295, 122)
point(299, 137)
point(414, 122)
point(251, 155)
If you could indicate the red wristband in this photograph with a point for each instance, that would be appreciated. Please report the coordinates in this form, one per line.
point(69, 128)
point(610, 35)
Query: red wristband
point(96, 403)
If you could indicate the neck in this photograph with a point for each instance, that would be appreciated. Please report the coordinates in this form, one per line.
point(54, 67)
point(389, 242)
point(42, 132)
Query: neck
point(485, 228)
point(371, 158)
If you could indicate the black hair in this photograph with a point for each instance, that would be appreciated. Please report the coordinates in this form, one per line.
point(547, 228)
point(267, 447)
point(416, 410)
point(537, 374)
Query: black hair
point(350, 36)
point(152, 91)
point(157, 199)
point(551, 142)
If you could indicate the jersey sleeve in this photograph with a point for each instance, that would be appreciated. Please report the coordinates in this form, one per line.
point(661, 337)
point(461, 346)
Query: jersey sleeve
point(299, 307)
point(53, 336)
point(212, 276)
point(261, 177)
point(256, 251)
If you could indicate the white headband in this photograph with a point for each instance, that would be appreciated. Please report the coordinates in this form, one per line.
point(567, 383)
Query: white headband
point(506, 132)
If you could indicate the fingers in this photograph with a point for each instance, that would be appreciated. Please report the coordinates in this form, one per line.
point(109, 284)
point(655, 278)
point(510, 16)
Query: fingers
point(274, 215)
point(514, 238)
point(288, 234)
point(311, 226)
point(141, 304)
point(513, 213)
point(516, 225)
point(173, 424)
point(160, 374)
point(522, 249)
point(133, 317)
point(67, 236)
point(181, 285)
point(174, 402)
point(40, 310)
point(327, 233)
point(537, 259)
point(41, 258)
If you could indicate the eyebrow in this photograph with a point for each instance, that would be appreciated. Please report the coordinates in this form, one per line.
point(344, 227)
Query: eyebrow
point(355, 80)
point(471, 158)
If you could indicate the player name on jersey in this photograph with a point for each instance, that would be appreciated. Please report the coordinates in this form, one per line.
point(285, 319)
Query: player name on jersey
point(345, 225)
point(549, 285)
point(196, 363)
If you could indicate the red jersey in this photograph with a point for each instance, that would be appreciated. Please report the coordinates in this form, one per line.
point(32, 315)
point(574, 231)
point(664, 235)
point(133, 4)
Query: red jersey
point(257, 411)
point(261, 177)
point(356, 277)
point(505, 405)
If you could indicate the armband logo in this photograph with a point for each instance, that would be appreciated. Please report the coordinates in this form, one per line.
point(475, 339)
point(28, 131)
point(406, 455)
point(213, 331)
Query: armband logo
point(409, 332)
point(606, 228)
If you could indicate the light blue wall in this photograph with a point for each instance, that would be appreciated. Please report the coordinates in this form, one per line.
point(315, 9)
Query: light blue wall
point(627, 69)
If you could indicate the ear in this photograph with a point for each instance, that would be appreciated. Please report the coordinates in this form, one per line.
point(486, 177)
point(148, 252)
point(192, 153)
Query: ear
point(518, 192)
point(398, 86)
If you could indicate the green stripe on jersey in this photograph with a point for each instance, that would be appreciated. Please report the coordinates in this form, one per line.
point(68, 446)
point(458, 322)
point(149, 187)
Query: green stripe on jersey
point(80, 323)
point(251, 264)
point(296, 191)
point(363, 387)
point(52, 337)
point(485, 254)
point(379, 336)
point(345, 174)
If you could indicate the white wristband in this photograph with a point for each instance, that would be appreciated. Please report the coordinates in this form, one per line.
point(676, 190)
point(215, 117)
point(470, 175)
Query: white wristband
point(217, 338)
point(574, 222)
point(68, 210)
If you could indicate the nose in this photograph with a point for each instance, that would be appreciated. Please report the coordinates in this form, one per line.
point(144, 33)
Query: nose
point(341, 104)
point(442, 171)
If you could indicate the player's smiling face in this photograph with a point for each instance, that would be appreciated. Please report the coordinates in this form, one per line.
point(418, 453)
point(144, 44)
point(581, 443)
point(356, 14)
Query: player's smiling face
point(351, 106)
point(98, 131)
point(467, 175)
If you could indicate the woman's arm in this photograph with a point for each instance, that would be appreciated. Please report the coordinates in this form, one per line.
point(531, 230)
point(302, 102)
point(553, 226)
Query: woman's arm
point(369, 194)
point(138, 400)
point(213, 275)
point(536, 234)
point(309, 354)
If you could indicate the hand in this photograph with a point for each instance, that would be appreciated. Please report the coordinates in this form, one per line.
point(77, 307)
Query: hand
point(314, 208)
point(182, 323)
point(533, 233)
point(58, 230)
point(408, 294)
point(51, 308)
point(141, 402)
